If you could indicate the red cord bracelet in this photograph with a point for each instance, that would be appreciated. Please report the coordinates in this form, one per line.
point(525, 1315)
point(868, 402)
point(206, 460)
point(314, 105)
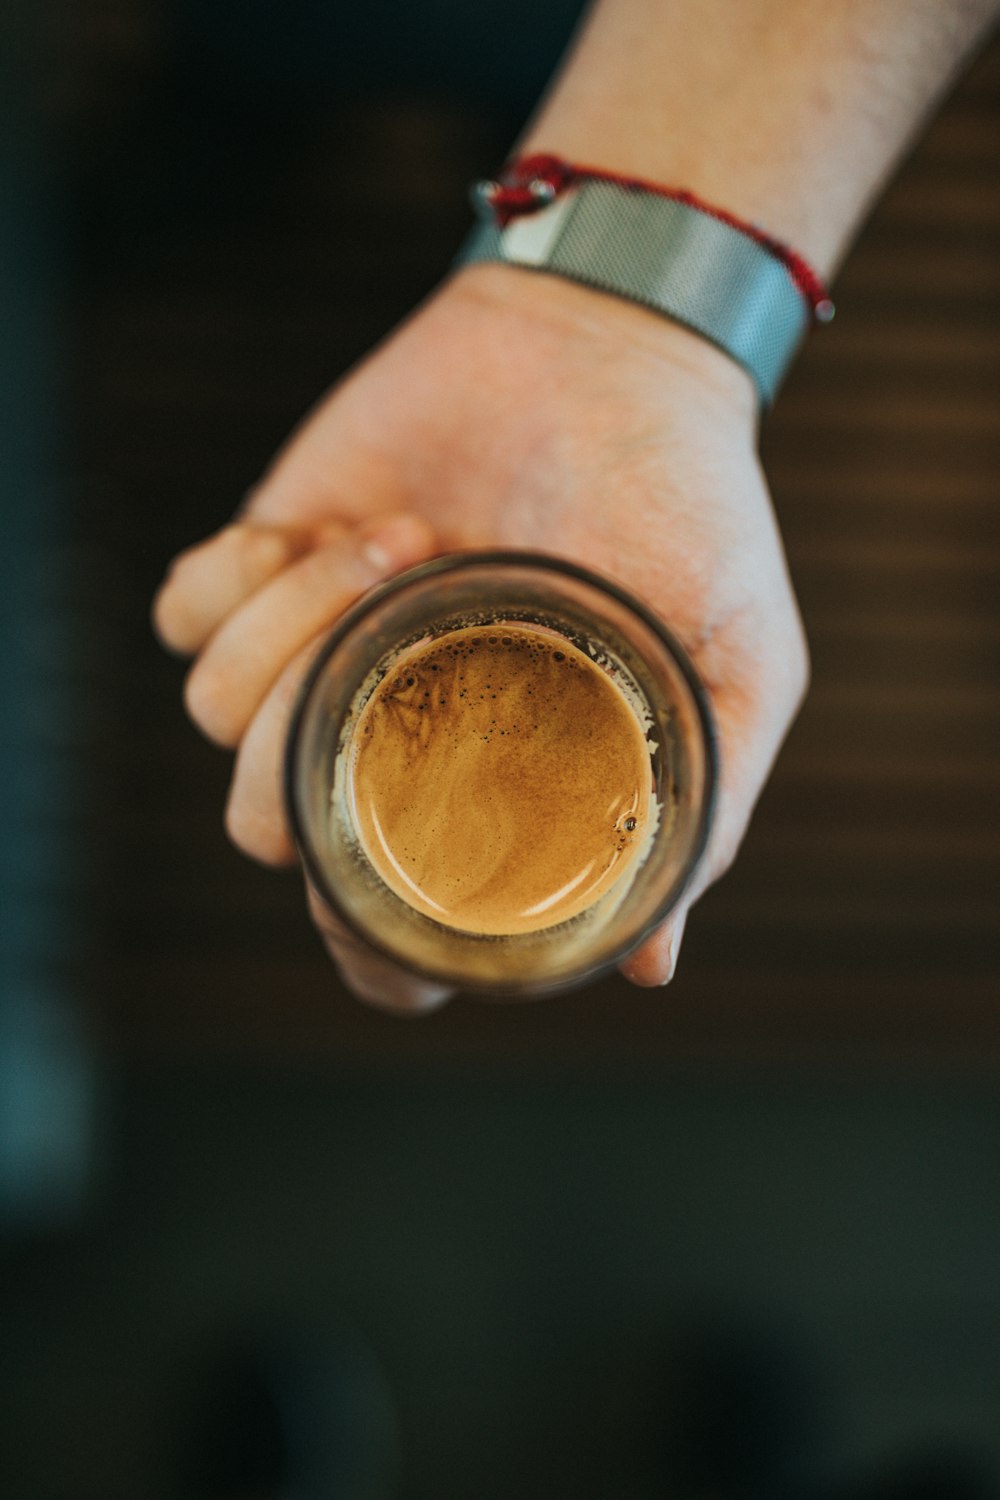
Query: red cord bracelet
point(530, 182)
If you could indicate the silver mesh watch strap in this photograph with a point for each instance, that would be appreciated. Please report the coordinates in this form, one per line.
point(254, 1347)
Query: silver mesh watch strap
point(667, 256)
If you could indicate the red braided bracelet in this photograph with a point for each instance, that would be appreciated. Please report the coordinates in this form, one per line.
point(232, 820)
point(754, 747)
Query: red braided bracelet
point(531, 182)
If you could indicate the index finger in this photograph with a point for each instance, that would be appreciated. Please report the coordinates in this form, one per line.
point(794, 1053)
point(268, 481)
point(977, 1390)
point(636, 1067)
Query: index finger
point(205, 583)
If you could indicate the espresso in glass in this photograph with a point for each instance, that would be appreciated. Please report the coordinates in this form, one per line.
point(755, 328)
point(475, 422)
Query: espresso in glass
point(500, 771)
point(500, 779)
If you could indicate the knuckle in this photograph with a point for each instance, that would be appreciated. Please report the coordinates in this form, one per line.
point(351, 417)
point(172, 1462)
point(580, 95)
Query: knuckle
point(206, 699)
point(257, 835)
point(162, 616)
point(180, 570)
point(264, 549)
point(169, 616)
point(252, 502)
point(174, 612)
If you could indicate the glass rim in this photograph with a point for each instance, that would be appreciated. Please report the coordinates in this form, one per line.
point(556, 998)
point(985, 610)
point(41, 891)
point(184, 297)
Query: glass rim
point(451, 562)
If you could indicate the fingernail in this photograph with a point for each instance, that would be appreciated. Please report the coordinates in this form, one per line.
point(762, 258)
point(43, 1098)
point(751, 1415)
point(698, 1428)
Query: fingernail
point(397, 542)
point(375, 553)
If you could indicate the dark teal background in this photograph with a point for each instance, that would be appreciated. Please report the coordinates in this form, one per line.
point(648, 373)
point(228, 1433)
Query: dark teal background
point(736, 1240)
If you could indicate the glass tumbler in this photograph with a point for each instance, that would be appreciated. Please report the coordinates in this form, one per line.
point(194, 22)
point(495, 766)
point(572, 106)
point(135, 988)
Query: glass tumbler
point(620, 637)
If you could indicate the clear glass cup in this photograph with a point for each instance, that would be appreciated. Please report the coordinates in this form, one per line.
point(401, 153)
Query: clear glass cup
point(621, 637)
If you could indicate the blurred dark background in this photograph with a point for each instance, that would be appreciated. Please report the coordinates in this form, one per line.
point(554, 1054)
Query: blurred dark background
point(740, 1238)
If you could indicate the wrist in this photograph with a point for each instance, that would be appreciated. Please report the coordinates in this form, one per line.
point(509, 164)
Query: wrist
point(655, 245)
point(598, 325)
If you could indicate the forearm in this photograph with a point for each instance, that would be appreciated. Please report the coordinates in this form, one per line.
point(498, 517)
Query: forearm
point(789, 113)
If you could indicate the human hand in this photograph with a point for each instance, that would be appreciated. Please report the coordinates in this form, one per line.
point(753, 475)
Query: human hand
point(513, 410)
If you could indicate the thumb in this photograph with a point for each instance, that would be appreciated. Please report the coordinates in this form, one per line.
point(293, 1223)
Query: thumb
point(655, 962)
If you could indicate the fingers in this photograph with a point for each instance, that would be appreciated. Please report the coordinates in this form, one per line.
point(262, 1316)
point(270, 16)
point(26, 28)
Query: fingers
point(255, 821)
point(243, 689)
point(249, 650)
point(255, 601)
point(372, 977)
point(206, 583)
point(255, 809)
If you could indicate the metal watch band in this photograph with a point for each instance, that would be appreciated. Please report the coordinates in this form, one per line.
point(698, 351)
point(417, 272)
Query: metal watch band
point(667, 256)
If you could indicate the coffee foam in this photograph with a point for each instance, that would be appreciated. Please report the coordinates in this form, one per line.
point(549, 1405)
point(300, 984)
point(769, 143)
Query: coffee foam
point(500, 781)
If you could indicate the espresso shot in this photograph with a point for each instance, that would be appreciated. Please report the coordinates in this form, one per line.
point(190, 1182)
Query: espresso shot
point(500, 780)
point(500, 772)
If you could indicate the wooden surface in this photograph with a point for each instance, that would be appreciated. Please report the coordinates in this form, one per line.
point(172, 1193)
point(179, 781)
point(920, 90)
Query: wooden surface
point(862, 917)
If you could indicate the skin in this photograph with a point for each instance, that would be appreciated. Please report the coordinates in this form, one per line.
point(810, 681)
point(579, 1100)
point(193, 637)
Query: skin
point(516, 409)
